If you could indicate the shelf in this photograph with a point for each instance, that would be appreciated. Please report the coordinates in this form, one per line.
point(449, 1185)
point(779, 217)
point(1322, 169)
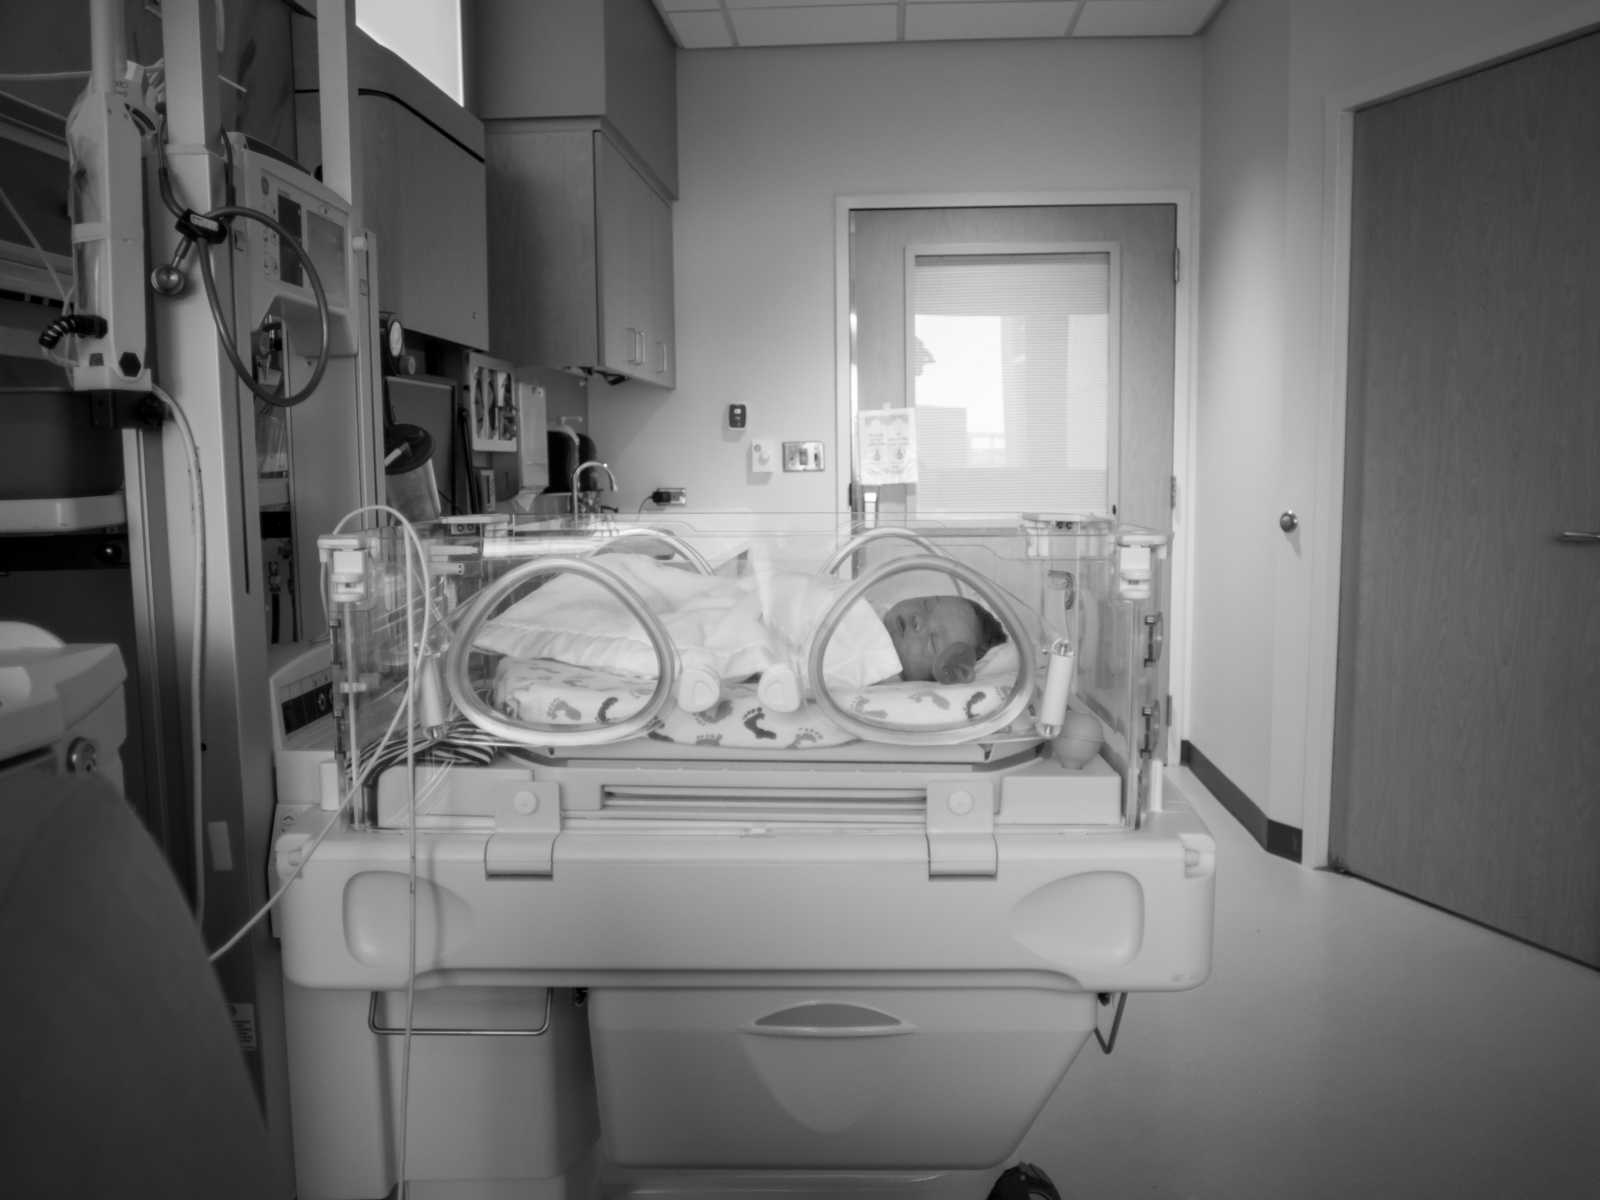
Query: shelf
point(62, 514)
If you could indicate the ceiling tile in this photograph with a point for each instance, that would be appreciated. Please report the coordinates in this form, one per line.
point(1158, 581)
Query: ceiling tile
point(1143, 18)
point(815, 26)
point(700, 30)
point(997, 19)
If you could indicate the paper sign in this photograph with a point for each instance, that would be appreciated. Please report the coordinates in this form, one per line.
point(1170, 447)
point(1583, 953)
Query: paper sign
point(887, 438)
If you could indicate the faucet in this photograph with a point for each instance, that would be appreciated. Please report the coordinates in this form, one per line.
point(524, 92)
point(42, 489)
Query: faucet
point(582, 467)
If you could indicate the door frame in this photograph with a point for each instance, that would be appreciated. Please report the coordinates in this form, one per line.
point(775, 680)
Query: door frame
point(1185, 368)
point(1324, 538)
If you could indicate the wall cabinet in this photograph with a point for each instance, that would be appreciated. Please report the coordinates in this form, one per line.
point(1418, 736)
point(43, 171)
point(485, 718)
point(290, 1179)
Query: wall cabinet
point(558, 59)
point(580, 253)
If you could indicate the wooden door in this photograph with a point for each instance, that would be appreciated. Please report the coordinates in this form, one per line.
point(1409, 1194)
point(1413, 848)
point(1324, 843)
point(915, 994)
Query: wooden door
point(1467, 735)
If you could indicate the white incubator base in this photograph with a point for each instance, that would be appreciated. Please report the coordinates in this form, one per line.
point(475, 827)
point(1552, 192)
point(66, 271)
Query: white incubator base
point(722, 1007)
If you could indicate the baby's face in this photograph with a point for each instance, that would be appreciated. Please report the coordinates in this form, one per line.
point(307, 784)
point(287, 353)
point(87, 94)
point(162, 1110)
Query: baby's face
point(924, 626)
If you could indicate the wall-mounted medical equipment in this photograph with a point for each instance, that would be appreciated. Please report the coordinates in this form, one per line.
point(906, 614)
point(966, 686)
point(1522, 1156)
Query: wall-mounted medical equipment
point(105, 329)
point(823, 917)
point(301, 333)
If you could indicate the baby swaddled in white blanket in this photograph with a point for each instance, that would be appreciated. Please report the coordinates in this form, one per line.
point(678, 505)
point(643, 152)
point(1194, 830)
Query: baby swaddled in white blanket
point(724, 629)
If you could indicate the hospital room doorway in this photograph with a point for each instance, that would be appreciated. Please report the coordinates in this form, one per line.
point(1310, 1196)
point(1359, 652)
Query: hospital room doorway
point(1466, 761)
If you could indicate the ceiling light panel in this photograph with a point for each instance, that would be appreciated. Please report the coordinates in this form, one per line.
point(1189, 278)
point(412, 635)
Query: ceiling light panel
point(958, 19)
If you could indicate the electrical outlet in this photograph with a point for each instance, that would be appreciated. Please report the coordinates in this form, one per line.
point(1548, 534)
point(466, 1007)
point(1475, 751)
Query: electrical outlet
point(763, 456)
point(669, 495)
point(802, 456)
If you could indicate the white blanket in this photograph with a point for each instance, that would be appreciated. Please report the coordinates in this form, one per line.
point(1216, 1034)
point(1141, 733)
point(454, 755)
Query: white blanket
point(723, 629)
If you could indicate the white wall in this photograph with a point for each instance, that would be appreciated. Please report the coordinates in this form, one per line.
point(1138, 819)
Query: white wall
point(1268, 263)
point(769, 138)
point(1240, 390)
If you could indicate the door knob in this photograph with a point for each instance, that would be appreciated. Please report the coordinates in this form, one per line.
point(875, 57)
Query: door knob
point(1288, 521)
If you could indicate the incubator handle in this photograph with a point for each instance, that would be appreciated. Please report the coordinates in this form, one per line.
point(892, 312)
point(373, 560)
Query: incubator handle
point(381, 1030)
point(937, 735)
point(829, 1020)
point(471, 706)
point(844, 552)
point(636, 533)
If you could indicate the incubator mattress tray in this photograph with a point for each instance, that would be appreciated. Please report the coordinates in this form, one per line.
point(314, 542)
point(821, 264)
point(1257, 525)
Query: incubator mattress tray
point(543, 692)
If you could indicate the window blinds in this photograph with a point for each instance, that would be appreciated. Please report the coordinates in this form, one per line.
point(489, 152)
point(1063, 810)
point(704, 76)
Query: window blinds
point(1009, 371)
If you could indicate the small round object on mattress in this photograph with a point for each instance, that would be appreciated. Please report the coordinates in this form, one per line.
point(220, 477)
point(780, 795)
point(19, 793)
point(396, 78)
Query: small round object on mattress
point(1079, 740)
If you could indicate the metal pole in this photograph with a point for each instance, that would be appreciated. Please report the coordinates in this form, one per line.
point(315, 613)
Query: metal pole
point(237, 788)
point(108, 43)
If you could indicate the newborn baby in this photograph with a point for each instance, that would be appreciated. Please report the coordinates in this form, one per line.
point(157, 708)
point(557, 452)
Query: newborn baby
point(756, 625)
point(941, 638)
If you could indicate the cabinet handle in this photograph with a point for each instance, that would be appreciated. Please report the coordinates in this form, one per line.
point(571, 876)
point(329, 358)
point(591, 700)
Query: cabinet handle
point(665, 351)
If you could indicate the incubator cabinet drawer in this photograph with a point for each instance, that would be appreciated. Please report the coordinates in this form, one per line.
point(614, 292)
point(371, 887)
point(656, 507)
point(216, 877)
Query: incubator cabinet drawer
point(871, 1079)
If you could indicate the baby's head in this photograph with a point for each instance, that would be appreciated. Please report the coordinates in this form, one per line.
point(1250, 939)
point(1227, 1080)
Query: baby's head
point(941, 637)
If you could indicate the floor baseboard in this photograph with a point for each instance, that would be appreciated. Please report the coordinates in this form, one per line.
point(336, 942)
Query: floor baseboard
point(1273, 836)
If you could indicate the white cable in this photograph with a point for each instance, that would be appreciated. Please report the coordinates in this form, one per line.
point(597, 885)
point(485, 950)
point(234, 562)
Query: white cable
point(407, 708)
point(429, 619)
point(197, 514)
point(411, 869)
point(376, 757)
point(34, 242)
point(305, 856)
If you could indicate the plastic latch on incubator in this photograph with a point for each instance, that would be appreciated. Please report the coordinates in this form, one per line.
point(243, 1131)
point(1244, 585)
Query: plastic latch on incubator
point(960, 819)
point(527, 821)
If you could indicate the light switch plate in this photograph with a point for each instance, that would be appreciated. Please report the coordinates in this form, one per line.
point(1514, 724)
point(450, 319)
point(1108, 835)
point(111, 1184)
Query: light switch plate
point(802, 456)
point(763, 456)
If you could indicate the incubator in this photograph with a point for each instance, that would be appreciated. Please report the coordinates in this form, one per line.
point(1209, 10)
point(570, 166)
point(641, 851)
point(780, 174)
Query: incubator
point(553, 934)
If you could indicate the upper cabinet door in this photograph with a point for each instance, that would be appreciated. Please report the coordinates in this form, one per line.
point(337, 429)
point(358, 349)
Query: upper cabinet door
point(623, 203)
point(609, 59)
point(663, 350)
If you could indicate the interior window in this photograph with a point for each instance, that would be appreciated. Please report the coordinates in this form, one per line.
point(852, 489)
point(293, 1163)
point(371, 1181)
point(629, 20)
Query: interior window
point(426, 33)
point(998, 359)
point(1009, 370)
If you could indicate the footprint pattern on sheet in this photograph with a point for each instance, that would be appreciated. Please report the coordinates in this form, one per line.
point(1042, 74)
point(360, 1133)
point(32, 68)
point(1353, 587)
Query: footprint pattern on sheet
point(929, 696)
point(716, 714)
point(859, 707)
point(752, 721)
point(560, 710)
